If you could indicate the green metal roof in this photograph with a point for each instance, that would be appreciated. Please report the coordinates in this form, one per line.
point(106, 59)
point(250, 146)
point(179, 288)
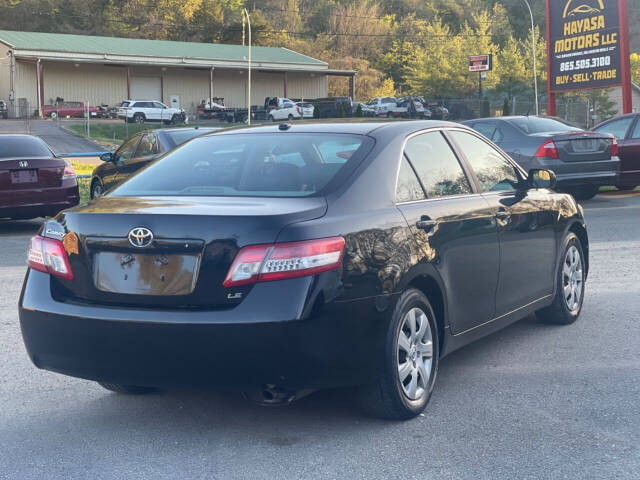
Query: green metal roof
point(58, 42)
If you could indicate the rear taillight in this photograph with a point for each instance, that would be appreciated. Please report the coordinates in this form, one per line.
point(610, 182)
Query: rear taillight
point(69, 172)
point(280, 261)
point(614, 147)
point(49, 256)
point(548, 149)
point(299, 111)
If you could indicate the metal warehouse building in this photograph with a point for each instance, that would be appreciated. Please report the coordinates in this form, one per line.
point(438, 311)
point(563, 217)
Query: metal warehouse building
point(37, 68)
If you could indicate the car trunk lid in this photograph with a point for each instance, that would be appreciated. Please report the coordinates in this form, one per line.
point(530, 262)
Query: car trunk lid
point(29, 173)
point(195, 240)
point(581, 146)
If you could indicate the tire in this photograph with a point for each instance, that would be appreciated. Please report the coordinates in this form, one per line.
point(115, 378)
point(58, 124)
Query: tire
point(139, 118)
point(560, 312)
point(290, 117)
point(54, 115)
point(127, 389)
point(271, 119)
point(389, 115)
point(586, 192)
point(390, 396)
point(97, 189)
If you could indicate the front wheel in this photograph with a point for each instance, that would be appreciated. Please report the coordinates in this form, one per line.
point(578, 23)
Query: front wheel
point(96, 189)
point(570, 279)
point(409, 361)
point(138, 118)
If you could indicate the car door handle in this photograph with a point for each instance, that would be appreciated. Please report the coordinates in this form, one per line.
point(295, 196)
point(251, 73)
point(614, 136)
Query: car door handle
point(426, 224)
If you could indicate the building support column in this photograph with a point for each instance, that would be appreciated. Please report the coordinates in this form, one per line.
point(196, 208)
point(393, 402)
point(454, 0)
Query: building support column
point(285, 85)
point(352, 87)
point(211, 85)
point(128, 74)
point(40, 87)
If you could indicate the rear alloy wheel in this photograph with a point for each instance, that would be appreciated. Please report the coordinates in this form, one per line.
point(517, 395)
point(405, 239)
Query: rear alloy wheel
point(139, 118)
point(271, 119)
point(571, 277)
point(290, 117)
point(96, 189)
point(586, 192)
point(54, 115)
point(127, 389)
point(410, 362)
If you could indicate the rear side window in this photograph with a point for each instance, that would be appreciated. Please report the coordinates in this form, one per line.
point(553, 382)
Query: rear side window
point(486, 129)
point(22, 146)
point(148, 146)
point(436, 165)
point(180, 136)
point(408, 188)
point(493, 171)
point(124, 104)
point(262, 165)
point(617, 128)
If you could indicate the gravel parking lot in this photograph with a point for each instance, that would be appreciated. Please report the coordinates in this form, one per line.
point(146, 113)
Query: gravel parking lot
point(532, 401)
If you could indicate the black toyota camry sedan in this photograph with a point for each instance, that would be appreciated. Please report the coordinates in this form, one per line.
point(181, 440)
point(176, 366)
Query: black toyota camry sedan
point(277, 260)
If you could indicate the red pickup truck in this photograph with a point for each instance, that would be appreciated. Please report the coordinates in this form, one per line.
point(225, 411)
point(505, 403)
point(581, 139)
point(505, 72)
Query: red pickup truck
point(69, 109)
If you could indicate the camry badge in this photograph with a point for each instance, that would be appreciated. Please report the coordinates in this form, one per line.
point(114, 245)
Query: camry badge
point(140, 237)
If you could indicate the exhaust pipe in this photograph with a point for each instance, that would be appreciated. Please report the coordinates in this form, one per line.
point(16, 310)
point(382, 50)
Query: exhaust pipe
point(274, 396)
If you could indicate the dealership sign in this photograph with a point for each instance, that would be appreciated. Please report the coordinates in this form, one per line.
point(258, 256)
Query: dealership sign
point(584, 44)
point(480, 63)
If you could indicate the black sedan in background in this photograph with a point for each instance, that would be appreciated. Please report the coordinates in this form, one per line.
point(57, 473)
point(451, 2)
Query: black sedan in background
point(582, 161)
point(136, 152)
point(282, 259)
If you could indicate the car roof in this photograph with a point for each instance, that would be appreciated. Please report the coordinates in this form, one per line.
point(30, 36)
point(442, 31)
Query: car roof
point(360, 127)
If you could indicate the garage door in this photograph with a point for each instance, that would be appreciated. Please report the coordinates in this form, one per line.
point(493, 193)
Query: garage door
point(146, 88)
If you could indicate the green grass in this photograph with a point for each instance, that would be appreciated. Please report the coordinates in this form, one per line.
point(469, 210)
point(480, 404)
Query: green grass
point(84, 185)
point(112, 131)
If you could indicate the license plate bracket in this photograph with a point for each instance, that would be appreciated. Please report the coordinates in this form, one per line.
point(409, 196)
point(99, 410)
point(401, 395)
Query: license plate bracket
point(146, 274)
point(24, 176)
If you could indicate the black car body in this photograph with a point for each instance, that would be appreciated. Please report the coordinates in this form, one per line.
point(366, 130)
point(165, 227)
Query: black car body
point(136, 152)
point(582, 161)
point(291, 277)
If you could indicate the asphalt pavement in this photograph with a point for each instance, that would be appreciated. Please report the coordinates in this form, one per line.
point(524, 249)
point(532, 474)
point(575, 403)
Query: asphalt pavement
point(61, 141)
point(532, 401)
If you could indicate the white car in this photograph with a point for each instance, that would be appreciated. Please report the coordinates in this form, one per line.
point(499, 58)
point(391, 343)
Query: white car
point(286, 110)
point(384, 106)
point(141, 111)
point(307, 109)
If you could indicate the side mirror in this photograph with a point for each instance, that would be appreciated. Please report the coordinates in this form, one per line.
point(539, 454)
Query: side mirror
point(106, 157)
point(540, 178)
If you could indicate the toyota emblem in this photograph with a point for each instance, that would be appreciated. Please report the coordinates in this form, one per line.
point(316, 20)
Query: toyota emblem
point(140, 237)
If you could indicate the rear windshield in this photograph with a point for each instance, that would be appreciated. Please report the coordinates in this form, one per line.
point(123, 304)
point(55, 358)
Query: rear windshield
point(124, 104)
point(178, 137)
point(22, 146)
point(541, 125)
point(260, 164)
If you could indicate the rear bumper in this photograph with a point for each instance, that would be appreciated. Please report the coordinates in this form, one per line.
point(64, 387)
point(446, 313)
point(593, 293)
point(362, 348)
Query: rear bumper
point(31, 203)
point(264, 340)
point(592, 178)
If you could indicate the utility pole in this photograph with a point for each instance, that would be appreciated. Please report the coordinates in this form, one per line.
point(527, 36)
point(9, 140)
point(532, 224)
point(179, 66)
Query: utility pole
point(246, 13)
point(533, 54)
